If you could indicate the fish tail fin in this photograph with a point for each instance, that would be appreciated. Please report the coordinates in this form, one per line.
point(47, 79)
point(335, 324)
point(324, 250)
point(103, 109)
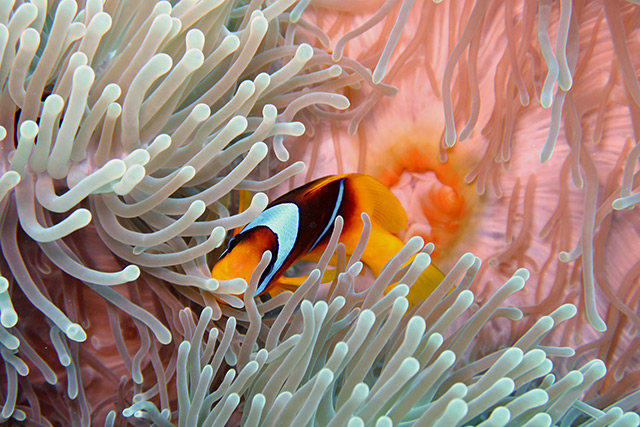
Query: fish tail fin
point(382, 247)
point(388, 218)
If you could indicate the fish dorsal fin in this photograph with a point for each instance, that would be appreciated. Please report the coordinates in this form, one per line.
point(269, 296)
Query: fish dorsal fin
point(318, 184)
point(380, 203)
point(382, 206)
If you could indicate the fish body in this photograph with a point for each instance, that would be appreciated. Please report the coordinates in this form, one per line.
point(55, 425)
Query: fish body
point(298, 225)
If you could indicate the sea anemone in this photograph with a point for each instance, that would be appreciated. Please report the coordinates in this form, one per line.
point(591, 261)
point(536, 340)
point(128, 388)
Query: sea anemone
point(125, 128)
point(511, 136)
point(130, 135)
point(357, 359)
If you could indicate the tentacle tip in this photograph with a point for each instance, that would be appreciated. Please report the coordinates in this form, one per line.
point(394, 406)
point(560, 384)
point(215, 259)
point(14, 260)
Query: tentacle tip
point(621, 203)
point(259, 24)
point(262, 80)
point(211, 285)
point(545, 101)
point(298, 166)
point(523, 272)
point(65, 360)
point(219, 232)
point(450, 138)
point(184, 347)
point(269, 110)
point(188, 172)
point(598, 324)
point(198, 207)
point(465, 134)
point(75, 333)
point(570, 310)
point(8, 319)
point(137, 250)
point(416, 241)
point(165, 337)
point(355, 269)
point(378, 75)
point(518, 283)
point(240, 123)
point(207, 312)
point(545, 156)
point(335, 70)
point(342, 102)
point(260, 149)
point(4, 285)
point(297, 129)
point(282, 155)
point(261, 199)
point(305, 52)
point(201, 111)
point(131, 273)
point(466, 297)
point(565, 83)
point(195, 58)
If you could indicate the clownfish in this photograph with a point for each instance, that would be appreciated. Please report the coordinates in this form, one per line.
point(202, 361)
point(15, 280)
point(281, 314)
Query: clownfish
point(298, 225)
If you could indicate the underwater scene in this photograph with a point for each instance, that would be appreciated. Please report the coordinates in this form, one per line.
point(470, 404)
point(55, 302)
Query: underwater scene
point(320, 213)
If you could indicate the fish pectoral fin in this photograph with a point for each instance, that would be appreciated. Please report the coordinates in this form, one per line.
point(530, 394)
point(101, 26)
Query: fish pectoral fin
point(294, 282)
point(285, 283)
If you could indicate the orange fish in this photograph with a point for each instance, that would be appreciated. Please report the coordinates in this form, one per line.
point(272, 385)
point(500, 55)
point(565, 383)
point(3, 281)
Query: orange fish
point(298, 225)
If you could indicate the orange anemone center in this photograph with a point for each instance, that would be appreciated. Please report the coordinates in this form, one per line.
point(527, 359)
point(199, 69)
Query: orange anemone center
point(439, 204)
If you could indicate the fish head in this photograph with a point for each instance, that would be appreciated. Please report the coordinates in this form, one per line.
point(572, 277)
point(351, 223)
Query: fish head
point(243, 254)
